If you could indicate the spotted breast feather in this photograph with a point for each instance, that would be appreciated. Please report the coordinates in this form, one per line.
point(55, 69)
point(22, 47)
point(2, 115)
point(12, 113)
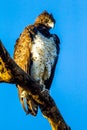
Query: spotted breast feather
point(44, 56)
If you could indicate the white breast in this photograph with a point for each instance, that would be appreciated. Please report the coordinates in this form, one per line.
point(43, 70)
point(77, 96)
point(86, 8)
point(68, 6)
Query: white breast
point(44, 53)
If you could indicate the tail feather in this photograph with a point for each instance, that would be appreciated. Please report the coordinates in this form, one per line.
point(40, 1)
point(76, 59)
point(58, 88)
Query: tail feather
point(32, 106)
point(28, 103)
point(23, 103)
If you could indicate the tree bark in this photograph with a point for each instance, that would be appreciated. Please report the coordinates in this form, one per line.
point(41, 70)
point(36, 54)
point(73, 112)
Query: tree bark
point(10, 72)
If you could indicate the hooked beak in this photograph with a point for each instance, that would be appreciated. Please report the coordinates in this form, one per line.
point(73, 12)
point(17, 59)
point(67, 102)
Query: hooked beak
point(51, 25)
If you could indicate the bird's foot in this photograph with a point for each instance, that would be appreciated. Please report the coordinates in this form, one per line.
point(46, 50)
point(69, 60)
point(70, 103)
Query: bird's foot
point(45, 90)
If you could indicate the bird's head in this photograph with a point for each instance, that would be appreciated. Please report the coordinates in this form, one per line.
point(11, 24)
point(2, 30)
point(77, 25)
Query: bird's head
point(46, 19)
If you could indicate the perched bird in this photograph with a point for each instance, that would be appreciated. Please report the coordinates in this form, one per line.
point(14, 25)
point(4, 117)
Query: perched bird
point(36, 52)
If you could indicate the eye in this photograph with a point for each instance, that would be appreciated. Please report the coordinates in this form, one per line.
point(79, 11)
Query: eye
point(46, 20)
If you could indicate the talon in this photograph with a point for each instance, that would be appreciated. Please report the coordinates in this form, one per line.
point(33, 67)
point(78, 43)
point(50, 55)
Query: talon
point(45, 90)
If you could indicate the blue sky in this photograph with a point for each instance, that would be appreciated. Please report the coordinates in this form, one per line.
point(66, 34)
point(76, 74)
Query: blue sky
point(69, 87)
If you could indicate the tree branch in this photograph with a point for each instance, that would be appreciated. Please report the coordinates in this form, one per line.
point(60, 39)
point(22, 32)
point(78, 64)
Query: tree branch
point(10, 72)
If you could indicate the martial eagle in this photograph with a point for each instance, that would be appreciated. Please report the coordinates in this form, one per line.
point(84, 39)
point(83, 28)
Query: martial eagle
point(36, 52)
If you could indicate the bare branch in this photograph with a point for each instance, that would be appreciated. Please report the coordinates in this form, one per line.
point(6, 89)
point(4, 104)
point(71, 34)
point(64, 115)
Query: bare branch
point(10, 72)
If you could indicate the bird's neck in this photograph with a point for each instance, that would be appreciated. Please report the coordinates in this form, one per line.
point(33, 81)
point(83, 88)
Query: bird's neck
point(43, 30)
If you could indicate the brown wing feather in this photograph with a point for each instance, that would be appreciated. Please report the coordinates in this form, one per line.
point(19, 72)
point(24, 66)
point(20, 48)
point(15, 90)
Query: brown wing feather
point(22, 58)
point(22, 50)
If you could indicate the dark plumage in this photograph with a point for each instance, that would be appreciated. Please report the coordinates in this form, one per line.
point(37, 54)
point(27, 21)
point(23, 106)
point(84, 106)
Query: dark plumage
point(36, 52)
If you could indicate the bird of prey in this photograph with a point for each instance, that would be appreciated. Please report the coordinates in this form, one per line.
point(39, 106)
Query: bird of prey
point(36, 52)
